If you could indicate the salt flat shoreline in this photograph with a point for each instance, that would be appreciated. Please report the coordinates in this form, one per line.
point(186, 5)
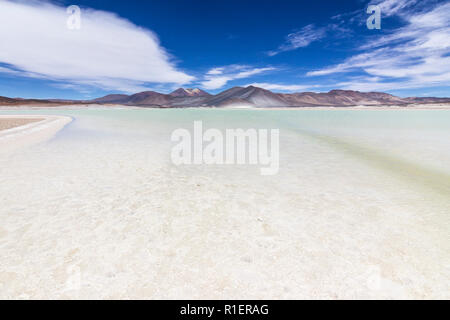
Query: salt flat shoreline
point(25, 130)
point(441, 106)
point(10, 123)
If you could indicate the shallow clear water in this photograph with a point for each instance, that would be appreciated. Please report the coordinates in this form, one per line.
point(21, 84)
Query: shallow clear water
point(359, 209)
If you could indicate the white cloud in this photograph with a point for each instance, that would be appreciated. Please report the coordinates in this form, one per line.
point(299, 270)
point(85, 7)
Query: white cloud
point(216, 71)
point(108, 51)
point(252, 72)
point(283, 87)
point(415, 55)
point(217, 78)
point(215, 82)
point(300, 39)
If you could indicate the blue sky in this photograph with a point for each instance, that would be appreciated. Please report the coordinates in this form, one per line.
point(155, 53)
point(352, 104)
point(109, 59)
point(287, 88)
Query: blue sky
point(283, 45)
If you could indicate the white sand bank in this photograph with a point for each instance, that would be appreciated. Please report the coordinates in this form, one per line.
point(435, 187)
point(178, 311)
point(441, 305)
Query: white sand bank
point(30, 133)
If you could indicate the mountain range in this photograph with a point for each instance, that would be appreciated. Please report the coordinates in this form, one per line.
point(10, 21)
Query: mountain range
point(239, 97)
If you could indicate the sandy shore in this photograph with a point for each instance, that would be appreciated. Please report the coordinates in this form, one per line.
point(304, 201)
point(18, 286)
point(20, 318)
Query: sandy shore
point(9, 123)
point(22, 130)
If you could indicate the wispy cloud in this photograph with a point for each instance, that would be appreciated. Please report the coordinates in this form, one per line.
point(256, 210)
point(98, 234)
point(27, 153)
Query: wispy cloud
point(107, 52)
point(9, 71)
point(412, 56)
point(216, 71)
point(300, 39)
point(217, 78)
point(393, 7)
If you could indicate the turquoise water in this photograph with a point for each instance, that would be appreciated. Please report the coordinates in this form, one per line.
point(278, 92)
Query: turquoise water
point(360, 195)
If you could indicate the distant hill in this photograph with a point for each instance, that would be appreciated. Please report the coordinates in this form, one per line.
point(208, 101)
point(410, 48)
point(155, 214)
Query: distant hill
point(113, 98)
point(4, 101)
point(342, 98)
point(241, 96)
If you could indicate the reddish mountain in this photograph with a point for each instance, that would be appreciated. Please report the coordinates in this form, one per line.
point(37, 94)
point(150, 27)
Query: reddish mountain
point(149, 98)
point(341, 98)
point(252, 96)
point(113, 98)
point(183, 93)
point(246, 97)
